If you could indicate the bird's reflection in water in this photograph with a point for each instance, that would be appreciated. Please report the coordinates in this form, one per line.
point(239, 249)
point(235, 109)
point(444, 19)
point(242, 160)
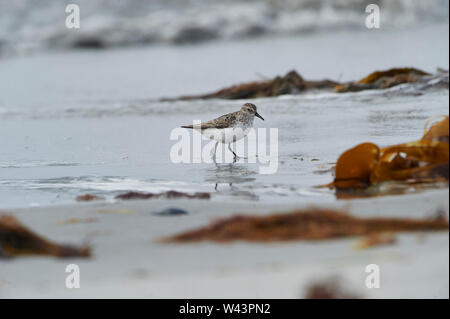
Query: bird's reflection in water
point(232, 175)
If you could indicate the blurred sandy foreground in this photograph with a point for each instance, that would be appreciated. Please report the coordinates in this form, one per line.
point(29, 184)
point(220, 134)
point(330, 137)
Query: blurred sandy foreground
point(128, 262)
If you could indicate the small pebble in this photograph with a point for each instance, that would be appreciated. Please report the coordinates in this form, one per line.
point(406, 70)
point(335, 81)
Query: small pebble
point(171, 211)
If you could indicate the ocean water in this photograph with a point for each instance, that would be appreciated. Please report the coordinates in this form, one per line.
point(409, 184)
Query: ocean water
point(90, 121)
point(28, 26)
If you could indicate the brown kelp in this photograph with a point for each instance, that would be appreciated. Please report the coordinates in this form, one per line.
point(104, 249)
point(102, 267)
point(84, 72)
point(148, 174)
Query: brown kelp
point(309, 224)
point(330, 288)
point(425, 160)
point(168, 194)
point(17, 240)
point(88, 198)
point(383, 80)
point(293, 83)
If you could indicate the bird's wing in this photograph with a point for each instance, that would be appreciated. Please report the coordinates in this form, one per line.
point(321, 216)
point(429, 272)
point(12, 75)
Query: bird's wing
point(223, 121)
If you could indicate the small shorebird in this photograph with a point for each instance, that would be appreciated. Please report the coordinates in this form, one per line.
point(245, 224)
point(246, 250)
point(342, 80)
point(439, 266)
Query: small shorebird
point(230, 127)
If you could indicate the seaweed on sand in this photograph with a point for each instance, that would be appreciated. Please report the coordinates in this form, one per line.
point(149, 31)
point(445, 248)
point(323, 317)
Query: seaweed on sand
point(294, 83)
point(376, 239)
point(88, 198)
point(168, 194)
point(18, 240)
point(311, 224)
point(291, 83)
point(383, 80)
point(425, 160)
point(330, 288)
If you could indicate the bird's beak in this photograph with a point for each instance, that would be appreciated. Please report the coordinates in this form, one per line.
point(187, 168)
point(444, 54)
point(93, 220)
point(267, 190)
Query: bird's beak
point(257, 115)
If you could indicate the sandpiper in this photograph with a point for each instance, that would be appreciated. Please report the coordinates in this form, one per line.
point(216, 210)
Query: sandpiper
point(230, 127)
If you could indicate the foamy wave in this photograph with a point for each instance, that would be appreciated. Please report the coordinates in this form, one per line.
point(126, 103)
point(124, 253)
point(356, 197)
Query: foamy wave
point(36, 164)
point(101, 184)
point(27, 25)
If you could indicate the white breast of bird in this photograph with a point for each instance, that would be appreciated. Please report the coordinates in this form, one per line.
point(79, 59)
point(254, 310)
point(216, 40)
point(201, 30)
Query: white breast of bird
point(226, 135)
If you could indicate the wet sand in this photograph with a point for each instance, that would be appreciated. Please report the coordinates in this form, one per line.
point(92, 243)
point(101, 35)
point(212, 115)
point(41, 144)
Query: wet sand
point(128, 261)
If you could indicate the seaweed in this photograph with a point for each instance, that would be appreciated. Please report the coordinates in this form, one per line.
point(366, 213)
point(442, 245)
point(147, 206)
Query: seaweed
point(376, 239)
point(72, 221)
point(310, 224)
point(18, 240)
point(330, 288)
point(168, 194)
point(425, 160)
point(383, 80)
point(88, 198)
point(293, 83)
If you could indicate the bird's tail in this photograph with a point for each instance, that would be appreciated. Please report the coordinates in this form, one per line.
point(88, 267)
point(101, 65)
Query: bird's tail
point(187, 126)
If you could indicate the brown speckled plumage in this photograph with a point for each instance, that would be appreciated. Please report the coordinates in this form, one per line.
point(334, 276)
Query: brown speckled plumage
point(242, 118)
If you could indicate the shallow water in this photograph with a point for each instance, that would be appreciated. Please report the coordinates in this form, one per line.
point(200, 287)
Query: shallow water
point(89, 122)
point(47, 161)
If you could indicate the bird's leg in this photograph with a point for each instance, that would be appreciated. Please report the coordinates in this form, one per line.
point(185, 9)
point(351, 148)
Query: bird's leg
point(235, 156)
point(215, 151)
